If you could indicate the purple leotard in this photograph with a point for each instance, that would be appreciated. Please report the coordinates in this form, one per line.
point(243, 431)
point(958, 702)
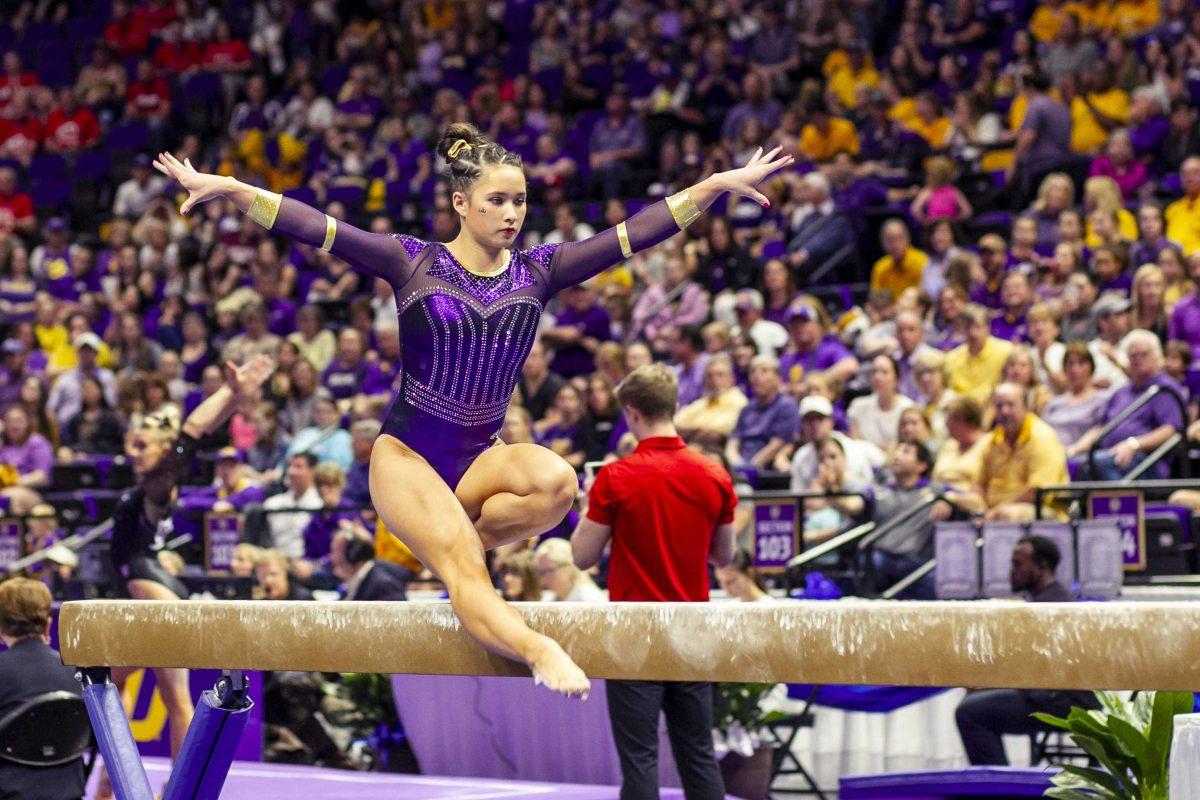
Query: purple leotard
point(463, 337)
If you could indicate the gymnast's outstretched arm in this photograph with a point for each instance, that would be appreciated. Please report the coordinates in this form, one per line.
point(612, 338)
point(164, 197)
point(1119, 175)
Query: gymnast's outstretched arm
point(376, 254)
point(575, 262)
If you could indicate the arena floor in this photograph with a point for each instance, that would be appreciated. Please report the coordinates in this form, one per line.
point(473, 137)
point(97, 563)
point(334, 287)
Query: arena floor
point(285, 782)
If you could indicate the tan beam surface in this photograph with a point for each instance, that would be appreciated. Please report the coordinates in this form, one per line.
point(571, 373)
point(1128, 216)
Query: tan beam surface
point(978, 644)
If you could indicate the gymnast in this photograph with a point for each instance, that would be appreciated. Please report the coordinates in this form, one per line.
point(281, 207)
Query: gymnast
point(469, 309)
point(161, 453)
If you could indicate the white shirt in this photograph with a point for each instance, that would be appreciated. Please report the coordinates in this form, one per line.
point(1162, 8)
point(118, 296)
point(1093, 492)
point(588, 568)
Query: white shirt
point(873, 423)
point(769, 337)
point(586, 592)
point(132, 199)
point(862, 458)
point(287, 529)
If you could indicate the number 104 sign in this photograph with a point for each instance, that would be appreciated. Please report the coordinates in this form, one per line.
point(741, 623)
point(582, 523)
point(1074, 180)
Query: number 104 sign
point(776, 534)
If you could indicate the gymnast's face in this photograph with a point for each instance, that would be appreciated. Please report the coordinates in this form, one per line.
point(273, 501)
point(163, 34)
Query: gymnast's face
point(146, 450)
point(493, 210)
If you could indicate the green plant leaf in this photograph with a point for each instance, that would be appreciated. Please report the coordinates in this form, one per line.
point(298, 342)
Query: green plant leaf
point(1097, 751)
point(1134, 741)
point(1050, 719)
point(1063, 793)
point(1083, 723)
point(1096, 780)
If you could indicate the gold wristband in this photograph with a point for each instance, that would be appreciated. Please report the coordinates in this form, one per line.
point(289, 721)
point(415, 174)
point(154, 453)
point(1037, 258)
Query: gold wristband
point(265, 208)
point(683, 208)
point(623, 238)
point(330, 232)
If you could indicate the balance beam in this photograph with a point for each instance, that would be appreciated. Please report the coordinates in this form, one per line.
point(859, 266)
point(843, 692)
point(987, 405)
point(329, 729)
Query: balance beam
point(985, 644)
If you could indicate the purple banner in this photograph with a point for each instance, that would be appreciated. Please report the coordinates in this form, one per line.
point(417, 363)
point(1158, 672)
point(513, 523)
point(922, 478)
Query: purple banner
point(10, 541)
point(776, 533)
point(149, 720)
point(222, 532)
point(1126, 509)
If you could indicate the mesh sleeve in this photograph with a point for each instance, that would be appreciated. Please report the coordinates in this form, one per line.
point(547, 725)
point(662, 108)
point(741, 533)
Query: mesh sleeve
point(575, 262)
point(377, 254)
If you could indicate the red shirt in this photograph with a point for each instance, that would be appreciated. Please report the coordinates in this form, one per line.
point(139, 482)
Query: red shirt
point(177, 57)
point(8, 85)
point(14, 207)
point(226, 53)
point(148, 97)
point(26, 127)
point(80, 129)
point(664, 503)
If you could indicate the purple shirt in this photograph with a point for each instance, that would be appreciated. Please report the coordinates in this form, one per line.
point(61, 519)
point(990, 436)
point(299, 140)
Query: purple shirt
point(1160, 411)
point(574, 359)
point(624, 135)
point(1185, 321)
point(691, 381)
point(1123, 283)
point(1147, 136)
point(1012, 329)
point(985, 295)
point(344, 382)
point(758, 424)
point(36, 454)
point(829, 351)
point(281, 316)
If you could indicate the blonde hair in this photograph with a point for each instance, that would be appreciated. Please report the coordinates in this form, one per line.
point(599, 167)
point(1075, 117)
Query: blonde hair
point(329, 474)
point(1102, 192)
point(1144, 272)
point(939, 170)
point(556, 551)
point(653, 390)
point(1048, 182)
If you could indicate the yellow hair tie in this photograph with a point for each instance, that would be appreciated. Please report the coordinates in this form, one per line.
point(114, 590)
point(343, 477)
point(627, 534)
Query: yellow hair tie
point(459, 146)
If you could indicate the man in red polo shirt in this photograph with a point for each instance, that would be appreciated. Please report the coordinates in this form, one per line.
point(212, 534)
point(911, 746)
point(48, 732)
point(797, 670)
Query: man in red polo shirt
point(668, 512)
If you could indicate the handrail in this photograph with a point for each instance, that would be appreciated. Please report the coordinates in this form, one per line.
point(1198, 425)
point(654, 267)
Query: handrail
point(1142, 400)
point(828, 546)
point(73, 542)
point(896, 522)
point(1156, 455)
point(909, 579)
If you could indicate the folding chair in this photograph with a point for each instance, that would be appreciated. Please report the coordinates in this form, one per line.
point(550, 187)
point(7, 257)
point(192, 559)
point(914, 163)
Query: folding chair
point(784, 732)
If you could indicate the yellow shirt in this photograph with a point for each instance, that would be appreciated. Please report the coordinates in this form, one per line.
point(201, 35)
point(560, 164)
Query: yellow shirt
point(957, 469)
point(977, 375)
point(887, 274)
point(905, 111)
point(50, 339)
point(1132, 17)
point(842, 137)
point(936, 132)
point(1093, 17)
point(1036, 459)
point(845, 84)
point(1044, 23)
point(620, 277)
point(1086, 133)
point(718, 413)
point(1126, 224)
point(1183, 223)
point(390, 548)
point(64, 357)
point(838, 60)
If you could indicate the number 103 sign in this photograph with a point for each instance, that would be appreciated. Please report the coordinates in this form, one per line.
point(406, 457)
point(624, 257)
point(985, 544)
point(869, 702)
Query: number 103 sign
point(776, 534)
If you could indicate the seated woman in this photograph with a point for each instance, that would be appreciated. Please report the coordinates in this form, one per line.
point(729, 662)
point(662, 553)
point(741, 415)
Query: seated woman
point(826, 516)
point(26, 460)
point(559, 428)
point(739, 581)
point(96, 429)
point(516, 577)
point(557, 573)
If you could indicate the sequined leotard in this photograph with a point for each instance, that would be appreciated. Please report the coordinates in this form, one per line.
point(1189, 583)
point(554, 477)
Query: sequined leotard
point(464, 337)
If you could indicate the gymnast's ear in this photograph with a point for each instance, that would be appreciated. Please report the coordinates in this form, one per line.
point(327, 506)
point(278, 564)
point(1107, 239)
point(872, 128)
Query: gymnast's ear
point(461, 203)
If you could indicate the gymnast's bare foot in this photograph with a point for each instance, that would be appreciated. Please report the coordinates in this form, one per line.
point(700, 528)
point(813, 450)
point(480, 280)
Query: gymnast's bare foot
point(557, 672)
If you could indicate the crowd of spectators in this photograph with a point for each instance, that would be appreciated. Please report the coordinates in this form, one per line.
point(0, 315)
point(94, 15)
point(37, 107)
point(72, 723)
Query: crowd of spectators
point(988, 244)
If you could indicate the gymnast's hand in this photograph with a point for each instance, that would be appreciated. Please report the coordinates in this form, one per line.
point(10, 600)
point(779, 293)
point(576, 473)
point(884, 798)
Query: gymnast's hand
point(201, 187)
point(245, 379)
point(760, 166)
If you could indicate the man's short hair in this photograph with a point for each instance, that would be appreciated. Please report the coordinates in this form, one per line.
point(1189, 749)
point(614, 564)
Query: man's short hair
point(24, 608)
point(329, 474)
point(765, 360)
point(309, 458)
point(1045, 552)
point(651, 389)
point(966, 409)
point(692, 335)
point(924, 457)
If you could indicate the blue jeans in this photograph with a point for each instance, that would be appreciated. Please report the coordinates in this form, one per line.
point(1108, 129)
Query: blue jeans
point(890, 569)
point(1106, 469)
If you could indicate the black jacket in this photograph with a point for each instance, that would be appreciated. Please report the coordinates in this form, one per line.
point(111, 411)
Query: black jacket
point(28, 669)
point(384, 581)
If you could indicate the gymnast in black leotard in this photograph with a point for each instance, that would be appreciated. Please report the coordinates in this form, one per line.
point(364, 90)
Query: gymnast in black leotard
point(161, 452)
